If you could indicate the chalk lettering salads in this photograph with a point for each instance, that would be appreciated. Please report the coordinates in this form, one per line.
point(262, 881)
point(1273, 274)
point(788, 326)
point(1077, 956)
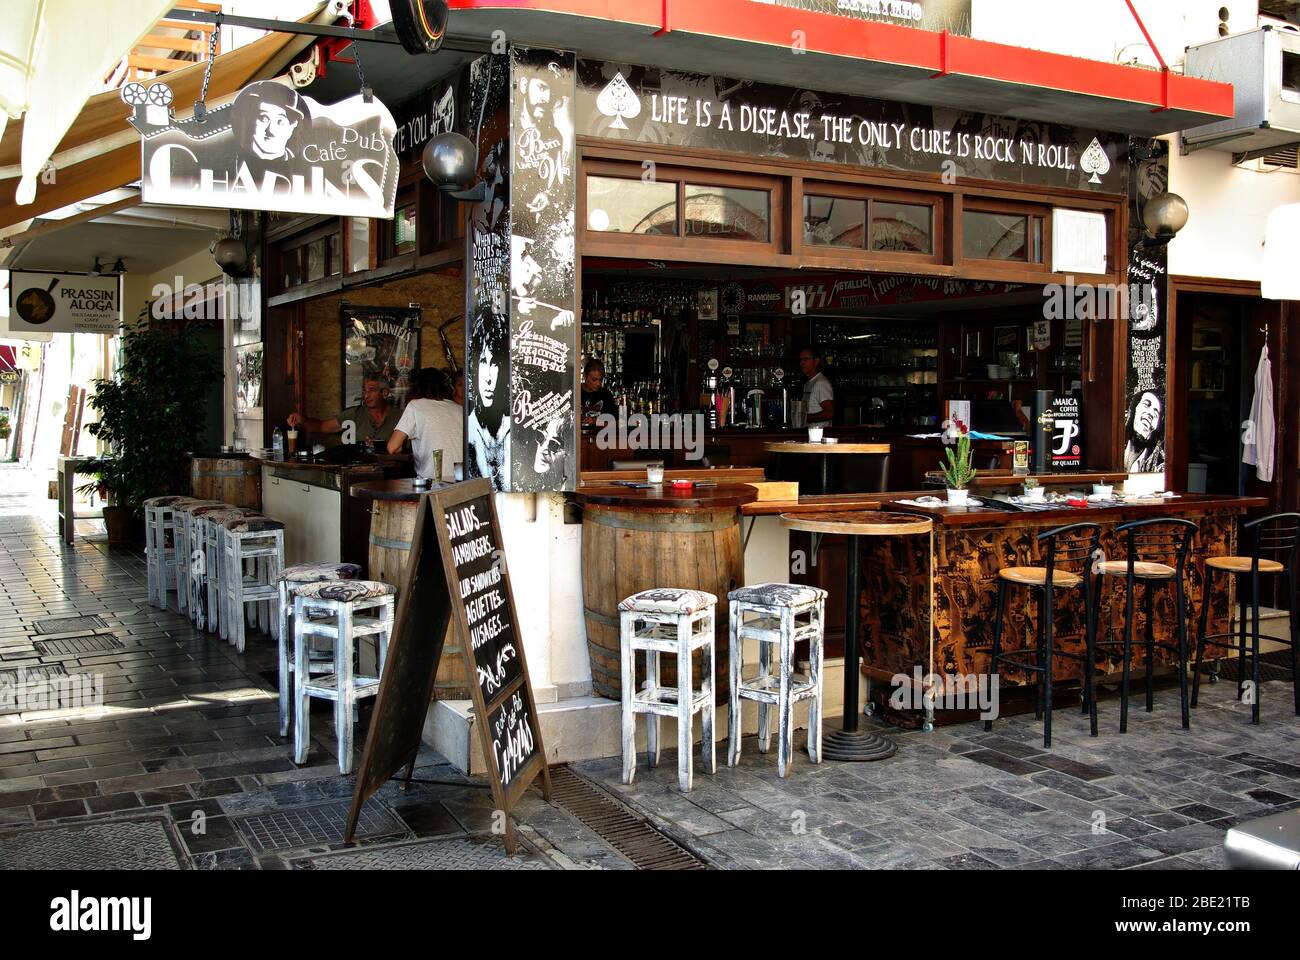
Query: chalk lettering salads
point(269, 149)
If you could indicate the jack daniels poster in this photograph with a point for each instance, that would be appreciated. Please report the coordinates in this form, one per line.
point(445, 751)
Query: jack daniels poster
point(271, 148)
point(695, 110)
point(379, 342)
point(520, 410)
point(1148, 269)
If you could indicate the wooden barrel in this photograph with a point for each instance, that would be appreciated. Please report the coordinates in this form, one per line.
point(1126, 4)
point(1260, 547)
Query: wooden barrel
point(392, 527)
point(236, 481)
point(626, 551)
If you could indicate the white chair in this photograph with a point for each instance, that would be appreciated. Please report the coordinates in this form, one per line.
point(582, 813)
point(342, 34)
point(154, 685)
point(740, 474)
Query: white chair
point(261, 540)
point(351, 609)
point(198, 566)
point(320, 660)
point(777, 616)
point(160, 547)
point(183, 516)
point(678, 622)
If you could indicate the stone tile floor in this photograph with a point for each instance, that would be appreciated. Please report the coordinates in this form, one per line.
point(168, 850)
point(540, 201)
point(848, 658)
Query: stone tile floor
point(186, 752)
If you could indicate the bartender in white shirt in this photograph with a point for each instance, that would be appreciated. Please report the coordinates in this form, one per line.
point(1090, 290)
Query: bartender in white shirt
point(818, 395)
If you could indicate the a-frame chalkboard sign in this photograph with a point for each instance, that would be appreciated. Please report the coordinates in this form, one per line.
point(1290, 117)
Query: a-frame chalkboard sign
point(457, 571)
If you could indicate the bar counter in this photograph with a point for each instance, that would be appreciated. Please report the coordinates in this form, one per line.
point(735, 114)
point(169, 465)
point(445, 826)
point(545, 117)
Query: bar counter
point(973, 543)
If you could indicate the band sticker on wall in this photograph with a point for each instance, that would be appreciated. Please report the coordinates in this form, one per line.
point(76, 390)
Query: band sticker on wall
point(543, 340)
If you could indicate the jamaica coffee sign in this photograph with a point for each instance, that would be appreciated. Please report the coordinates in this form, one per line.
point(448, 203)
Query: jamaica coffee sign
point(456, 572)
point(651, 105)
point(271, 148)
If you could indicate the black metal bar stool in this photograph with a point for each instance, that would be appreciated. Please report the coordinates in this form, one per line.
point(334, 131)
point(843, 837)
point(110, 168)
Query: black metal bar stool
point(1069, 553)
point(1274, 547)
point(1157, 554)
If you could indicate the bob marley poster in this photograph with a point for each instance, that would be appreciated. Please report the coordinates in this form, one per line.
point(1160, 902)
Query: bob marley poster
point(271, 148)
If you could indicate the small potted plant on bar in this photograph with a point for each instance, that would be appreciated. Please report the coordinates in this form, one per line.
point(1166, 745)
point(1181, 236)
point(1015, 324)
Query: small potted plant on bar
point(956, 465)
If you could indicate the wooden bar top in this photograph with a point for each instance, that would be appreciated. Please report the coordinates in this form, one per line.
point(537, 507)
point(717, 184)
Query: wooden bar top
point(666, 496)
point(1056, 514)
point(859, 523)
point(816, 503)
point(402, 490)
point(1004, 478)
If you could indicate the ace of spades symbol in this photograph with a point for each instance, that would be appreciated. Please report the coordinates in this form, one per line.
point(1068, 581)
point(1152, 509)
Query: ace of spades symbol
point(1095, 161)
point(619, 100)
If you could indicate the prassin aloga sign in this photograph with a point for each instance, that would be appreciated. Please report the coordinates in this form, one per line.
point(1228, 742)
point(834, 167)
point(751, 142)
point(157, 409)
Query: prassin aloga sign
point(696, 111)
point(269, 149)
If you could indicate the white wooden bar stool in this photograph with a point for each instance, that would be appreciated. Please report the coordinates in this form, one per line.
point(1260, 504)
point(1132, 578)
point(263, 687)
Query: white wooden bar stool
point(777, 616)
point(183, 515)
point(257, 538)
point(213, 531)
point(351, 609)
point(320, 659)
point(678, 622)
point(160, 547)
point(203, 565)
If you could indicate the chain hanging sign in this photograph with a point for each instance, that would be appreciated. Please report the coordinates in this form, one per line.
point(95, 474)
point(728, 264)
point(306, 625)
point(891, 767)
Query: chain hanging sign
point(271, 148)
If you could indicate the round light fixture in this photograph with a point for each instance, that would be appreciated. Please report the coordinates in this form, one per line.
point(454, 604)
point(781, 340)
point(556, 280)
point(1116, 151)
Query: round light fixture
point(1164, 216)
point(231, 256)
point(451, 161)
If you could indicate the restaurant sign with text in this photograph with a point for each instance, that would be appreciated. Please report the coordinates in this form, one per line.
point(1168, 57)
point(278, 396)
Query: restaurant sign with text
point(271, 148)
point(64, 303)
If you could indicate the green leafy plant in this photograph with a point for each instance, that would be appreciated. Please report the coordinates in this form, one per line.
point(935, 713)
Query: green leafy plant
point(956, 466)
point(150, 417)
point(5, 428)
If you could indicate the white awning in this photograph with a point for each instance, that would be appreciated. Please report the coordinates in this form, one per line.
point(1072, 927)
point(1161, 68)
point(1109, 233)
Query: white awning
point(53, 55)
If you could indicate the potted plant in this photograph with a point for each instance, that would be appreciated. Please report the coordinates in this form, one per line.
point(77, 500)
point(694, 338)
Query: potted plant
point(149, 417)
point(956, 465)
point(5, 429)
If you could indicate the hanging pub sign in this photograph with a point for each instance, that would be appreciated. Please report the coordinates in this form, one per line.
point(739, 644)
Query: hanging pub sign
point(64, 303)
point(271, 148)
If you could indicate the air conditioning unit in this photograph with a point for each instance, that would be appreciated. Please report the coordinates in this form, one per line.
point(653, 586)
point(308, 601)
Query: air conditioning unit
point(1263, 67)
point(1277, 160)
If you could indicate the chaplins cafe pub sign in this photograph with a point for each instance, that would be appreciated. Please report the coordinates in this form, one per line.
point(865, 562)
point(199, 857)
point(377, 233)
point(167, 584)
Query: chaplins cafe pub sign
point(270, 148)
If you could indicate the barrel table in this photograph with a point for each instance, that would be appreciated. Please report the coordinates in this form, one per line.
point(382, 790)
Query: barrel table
point(660, 536)
point(850, 743)
point(393, 510)
point(233, 478)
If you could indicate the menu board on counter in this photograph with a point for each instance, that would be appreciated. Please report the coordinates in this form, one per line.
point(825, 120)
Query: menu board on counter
point(456, 572)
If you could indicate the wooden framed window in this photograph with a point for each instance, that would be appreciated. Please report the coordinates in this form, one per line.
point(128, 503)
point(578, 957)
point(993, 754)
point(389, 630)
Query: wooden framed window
point(672, 211)
point(307, 257)
point(1005, 232)
point(869, 225)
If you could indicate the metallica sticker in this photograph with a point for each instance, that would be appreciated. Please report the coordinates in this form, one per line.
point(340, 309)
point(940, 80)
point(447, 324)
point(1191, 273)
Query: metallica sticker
point(269, 149)
point(651, 105)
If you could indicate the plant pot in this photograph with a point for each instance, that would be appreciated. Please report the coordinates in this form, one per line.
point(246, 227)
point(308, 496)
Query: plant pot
point(124, 528)
point(958, 498)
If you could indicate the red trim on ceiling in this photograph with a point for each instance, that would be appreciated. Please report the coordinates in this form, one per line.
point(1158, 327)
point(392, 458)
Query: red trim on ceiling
point(950, 56)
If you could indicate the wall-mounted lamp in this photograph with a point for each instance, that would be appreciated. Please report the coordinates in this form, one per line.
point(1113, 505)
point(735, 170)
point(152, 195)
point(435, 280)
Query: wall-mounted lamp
point(231, 251)
point(97, 268)
point(119, 266)
point(451, 161)
point(1163, 217)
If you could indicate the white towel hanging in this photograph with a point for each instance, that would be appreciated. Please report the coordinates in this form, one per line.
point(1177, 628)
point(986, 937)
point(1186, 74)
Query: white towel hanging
point(1258, 434)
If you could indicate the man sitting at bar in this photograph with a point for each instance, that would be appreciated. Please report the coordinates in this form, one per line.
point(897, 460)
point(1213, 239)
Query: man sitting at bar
point(818, 395)
point(431, 422)
point(373, 419)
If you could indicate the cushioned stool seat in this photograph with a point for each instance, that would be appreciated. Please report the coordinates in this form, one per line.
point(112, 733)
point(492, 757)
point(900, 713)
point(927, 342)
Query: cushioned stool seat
point(316, 572)
point(778, 594)
point(346, 591)
point(167, 501)
point(320, 660)
point(668, 600)
point(247, 522)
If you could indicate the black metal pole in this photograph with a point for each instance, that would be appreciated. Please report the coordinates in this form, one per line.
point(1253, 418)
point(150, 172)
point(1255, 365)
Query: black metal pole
point(852, 618)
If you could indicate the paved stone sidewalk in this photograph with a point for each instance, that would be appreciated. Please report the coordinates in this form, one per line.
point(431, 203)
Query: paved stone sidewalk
point(183, 767)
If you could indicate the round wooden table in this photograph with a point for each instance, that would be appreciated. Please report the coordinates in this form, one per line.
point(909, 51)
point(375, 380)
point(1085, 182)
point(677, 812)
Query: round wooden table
point(658, 536)
point(850, 743)
point(824, 451)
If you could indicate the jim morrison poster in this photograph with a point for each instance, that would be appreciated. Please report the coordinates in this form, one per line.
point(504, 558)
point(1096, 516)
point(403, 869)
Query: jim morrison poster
point(270, 149)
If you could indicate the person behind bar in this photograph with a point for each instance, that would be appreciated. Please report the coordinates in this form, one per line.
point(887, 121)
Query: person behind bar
point(430, 422)
point(818, 395)
point(596, 398)
point(458, 389)
point(373, 419)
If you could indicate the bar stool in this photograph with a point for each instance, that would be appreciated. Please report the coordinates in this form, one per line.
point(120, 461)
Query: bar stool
point(257, 538)
point(159, 554)
point(209, 525)
point(344, 604)
point(182, 514)
point(1157, 554)
point(675, 621)
point(1069, 552)
point(777, 616)
point(203, 566)
point(1279, 536)
point(319, 660)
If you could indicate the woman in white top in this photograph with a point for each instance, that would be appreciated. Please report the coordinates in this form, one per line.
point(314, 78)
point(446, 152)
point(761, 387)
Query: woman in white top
point(431, 423)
